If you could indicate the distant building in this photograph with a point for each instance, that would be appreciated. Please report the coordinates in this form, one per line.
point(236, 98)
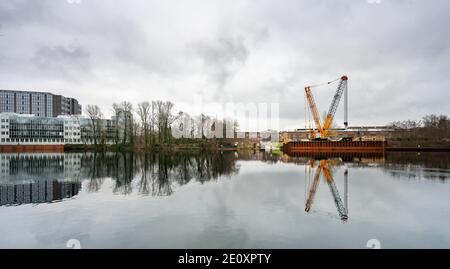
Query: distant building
point(363, 133)
point(42, 104)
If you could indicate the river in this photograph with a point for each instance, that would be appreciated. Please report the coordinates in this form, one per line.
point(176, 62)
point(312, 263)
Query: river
point(224, 200)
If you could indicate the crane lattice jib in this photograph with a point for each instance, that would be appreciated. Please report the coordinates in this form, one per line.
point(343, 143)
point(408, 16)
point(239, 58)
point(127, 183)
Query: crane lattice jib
point(313, 190)
point(313, 108)
point(343, 213)
point(334, 105)
point(337, 200)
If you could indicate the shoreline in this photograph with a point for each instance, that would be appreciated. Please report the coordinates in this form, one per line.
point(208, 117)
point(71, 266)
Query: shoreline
point(174, 148)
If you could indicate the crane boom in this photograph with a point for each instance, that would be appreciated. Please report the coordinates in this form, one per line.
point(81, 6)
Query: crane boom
point(334, 105)
point(324, 129)
point(313, 108)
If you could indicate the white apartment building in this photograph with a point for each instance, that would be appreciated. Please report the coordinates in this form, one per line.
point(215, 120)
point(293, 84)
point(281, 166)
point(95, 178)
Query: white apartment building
point(22, 129)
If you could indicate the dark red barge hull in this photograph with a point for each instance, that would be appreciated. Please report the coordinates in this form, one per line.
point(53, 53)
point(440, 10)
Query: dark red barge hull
point(335, 146)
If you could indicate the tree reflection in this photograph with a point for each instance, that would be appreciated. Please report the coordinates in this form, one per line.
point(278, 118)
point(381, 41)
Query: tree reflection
point(159, 174)
point(415, 165)
point(155, 174)
point(95, 173)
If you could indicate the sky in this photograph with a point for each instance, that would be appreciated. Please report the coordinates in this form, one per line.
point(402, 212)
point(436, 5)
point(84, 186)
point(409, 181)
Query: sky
point(396, 54)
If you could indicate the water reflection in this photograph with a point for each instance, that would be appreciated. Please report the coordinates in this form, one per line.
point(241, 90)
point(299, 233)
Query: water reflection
point(34, 178)
point(39, 191)
point(44, 178)
point(224, 200)
point(323, 167)
point(414, 165)
point(425, 165)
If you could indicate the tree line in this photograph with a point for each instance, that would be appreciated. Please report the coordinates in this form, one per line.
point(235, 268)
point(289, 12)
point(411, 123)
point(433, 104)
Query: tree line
point(150, 123)
point(430, 127)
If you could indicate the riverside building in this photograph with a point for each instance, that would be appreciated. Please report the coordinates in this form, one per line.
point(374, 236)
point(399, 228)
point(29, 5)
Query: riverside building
point(25, 132)
point(41, 104)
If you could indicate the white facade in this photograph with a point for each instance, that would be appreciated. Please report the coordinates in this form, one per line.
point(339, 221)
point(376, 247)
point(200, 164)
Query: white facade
point(20, 129)
point(4, 127)
point(72, 129)
point(23, 129)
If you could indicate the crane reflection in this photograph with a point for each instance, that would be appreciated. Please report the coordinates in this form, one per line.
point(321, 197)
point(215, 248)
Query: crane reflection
point(323, 169)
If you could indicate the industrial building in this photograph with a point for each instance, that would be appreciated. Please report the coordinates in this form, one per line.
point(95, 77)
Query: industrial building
point(41, 104)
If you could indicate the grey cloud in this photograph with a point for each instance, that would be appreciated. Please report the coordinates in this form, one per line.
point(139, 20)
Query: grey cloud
point(68, 61)
point(15, 13)
point(396, 53)
point(223, 57)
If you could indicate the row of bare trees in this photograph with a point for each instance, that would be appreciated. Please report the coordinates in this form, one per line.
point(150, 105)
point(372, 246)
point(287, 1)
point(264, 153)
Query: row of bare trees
point(155, 120)
point(150, 123)
point(431, 127)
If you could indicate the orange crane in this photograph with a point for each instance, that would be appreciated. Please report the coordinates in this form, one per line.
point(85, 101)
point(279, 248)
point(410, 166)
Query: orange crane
point(323, 167)
point(323, 131)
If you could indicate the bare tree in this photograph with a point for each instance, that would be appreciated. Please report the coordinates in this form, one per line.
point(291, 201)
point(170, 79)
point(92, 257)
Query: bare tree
point(95, 115)
point(143, 111)
point(127, 111)
point(436, 126)
point(164, 119)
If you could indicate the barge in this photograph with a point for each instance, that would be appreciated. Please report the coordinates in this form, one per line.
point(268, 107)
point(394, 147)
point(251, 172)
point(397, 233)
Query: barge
point(335, 146)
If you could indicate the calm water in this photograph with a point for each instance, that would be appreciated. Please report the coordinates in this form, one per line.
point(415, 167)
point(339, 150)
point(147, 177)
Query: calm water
point(224, 200)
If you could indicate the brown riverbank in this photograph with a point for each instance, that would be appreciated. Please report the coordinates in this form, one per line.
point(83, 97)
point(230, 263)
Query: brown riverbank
point(31, 148)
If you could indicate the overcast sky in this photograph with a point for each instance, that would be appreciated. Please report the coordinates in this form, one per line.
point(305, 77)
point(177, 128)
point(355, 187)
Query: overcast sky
point(395, 52)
